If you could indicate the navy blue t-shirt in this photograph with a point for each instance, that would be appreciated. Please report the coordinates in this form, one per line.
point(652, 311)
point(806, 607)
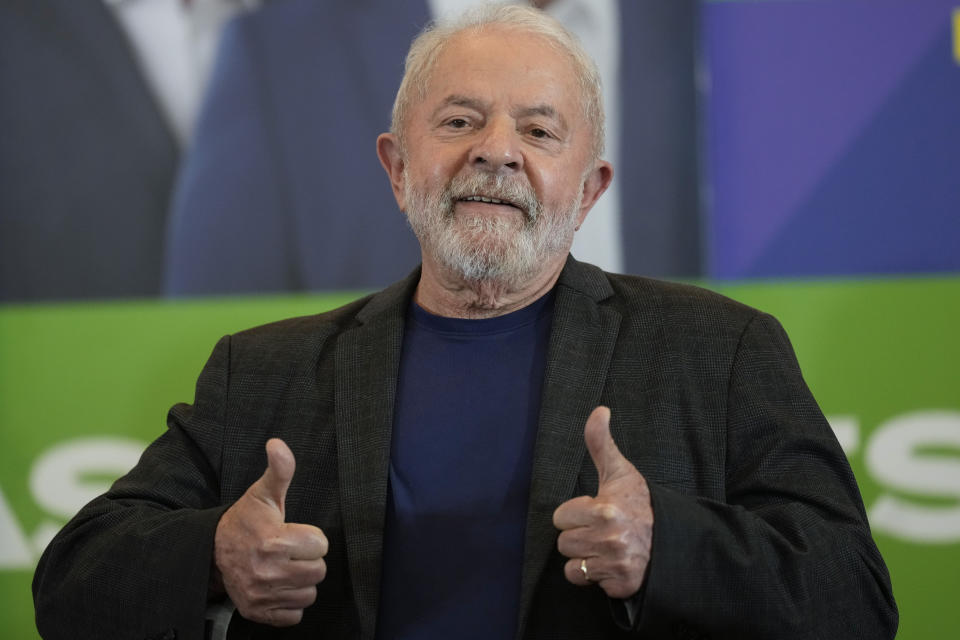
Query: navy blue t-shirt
point(465, 421)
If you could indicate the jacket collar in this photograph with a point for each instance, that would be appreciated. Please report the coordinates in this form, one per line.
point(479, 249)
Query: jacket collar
point(580, 277)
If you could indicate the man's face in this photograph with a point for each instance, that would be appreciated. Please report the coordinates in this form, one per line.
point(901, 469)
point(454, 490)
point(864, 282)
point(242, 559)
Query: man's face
point(501, 120)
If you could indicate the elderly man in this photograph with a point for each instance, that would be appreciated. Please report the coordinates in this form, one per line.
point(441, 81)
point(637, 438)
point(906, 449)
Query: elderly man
point(440, 458)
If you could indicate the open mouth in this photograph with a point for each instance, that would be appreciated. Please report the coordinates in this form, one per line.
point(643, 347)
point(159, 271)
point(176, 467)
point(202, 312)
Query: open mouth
point(488, 200)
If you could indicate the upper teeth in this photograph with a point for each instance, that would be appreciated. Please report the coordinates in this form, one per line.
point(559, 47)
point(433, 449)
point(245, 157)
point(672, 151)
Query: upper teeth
point(482, 199)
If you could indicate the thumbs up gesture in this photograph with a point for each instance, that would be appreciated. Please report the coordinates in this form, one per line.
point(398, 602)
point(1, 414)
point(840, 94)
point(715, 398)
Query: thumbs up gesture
point(270, 568)
point(607, 538)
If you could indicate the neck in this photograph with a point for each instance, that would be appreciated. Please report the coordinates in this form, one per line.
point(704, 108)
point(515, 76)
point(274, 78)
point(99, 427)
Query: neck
point(443, 293)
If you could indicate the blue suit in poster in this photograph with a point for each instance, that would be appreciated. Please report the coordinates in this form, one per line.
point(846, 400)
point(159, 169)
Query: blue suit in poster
point(282, 189)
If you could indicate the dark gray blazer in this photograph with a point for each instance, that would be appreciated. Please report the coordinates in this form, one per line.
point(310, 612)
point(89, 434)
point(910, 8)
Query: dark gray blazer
point(759, 527)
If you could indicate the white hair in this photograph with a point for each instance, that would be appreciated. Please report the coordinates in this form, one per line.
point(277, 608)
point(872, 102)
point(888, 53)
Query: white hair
point(427, 46)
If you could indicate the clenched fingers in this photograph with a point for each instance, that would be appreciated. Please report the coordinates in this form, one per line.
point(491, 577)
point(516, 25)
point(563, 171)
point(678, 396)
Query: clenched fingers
point(302, 542)
point(616, 579)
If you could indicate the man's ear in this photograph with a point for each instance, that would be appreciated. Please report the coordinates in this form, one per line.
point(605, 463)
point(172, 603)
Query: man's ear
point(594, 184)
point(391, 157)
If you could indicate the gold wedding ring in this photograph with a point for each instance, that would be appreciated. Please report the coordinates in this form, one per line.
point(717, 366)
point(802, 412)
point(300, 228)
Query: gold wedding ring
point(583, 569)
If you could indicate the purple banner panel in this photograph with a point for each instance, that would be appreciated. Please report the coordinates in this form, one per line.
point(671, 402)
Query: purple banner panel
point(832, 138)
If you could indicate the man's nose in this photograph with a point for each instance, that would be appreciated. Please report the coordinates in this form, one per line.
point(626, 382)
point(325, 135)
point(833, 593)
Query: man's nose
point(497, 149)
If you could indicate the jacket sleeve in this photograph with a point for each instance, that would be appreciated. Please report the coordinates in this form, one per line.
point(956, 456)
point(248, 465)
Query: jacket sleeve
point(135, 562)
point(788, 553)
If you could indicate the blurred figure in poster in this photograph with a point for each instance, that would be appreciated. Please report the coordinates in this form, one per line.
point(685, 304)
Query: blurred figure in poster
point(279, 191)
point(98, 100)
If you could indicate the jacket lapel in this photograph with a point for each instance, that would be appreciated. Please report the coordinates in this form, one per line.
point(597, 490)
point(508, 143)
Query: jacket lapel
point(581, 345)
point(367, 361)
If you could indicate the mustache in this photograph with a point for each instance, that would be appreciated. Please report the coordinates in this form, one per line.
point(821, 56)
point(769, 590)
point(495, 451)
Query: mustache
point(513, 190)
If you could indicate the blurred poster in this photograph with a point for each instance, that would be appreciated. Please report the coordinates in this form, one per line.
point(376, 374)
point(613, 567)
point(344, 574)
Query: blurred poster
point(832, 137)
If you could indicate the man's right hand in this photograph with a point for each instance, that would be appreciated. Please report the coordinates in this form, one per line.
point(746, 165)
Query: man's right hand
point(270, 568)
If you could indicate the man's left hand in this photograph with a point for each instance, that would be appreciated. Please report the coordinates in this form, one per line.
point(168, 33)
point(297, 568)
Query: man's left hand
point(607, 538)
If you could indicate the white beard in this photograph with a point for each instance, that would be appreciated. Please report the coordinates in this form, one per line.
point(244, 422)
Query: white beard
point(504, 251)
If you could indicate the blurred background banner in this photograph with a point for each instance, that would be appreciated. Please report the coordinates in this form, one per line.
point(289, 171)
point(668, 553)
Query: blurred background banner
point(833, 137)
point(798, 155)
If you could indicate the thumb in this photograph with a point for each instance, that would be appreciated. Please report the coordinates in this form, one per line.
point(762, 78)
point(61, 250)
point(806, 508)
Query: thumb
point(603, 450)
point(272, 485)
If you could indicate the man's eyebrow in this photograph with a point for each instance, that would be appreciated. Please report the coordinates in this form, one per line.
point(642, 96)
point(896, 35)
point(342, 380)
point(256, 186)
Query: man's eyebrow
point(538, 110)
point(544, 110)
point(476, 104)
point(458, 100)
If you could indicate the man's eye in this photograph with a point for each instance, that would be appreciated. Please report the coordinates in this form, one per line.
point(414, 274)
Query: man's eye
point(458, 123)
point(537, 132)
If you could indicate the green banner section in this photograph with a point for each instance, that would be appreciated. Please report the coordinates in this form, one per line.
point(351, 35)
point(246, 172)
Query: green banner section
point(84, 387)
